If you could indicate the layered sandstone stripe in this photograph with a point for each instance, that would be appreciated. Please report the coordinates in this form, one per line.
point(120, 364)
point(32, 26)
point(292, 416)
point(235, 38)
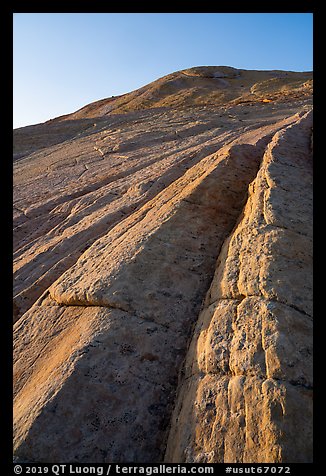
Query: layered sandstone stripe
point(246, 394)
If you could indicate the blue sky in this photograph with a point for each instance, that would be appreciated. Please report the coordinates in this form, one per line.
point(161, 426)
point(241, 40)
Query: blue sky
point(63, 61)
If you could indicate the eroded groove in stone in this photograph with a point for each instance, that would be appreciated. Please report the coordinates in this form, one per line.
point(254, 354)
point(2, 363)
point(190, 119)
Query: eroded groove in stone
point(63, 226)
point(246, 393)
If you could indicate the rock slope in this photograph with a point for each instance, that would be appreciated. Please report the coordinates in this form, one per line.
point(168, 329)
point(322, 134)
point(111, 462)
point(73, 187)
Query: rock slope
point(247, 389)
point(162, 274)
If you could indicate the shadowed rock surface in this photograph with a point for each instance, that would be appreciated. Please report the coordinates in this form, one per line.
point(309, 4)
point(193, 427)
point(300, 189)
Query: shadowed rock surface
point(162, 274)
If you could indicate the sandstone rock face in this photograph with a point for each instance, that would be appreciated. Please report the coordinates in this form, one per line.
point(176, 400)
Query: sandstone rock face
point(246, 395)
point(162, 277)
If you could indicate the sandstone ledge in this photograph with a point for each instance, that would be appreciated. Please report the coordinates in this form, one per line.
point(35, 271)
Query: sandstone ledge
point(246, 395)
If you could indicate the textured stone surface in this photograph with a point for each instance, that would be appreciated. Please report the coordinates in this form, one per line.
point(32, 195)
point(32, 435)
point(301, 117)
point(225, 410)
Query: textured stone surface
point(246, 395)
point(102, 371)
point(162, 275)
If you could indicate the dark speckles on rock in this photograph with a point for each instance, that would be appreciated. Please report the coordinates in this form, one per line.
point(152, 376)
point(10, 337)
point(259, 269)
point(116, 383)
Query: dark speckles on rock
point(126, 349)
